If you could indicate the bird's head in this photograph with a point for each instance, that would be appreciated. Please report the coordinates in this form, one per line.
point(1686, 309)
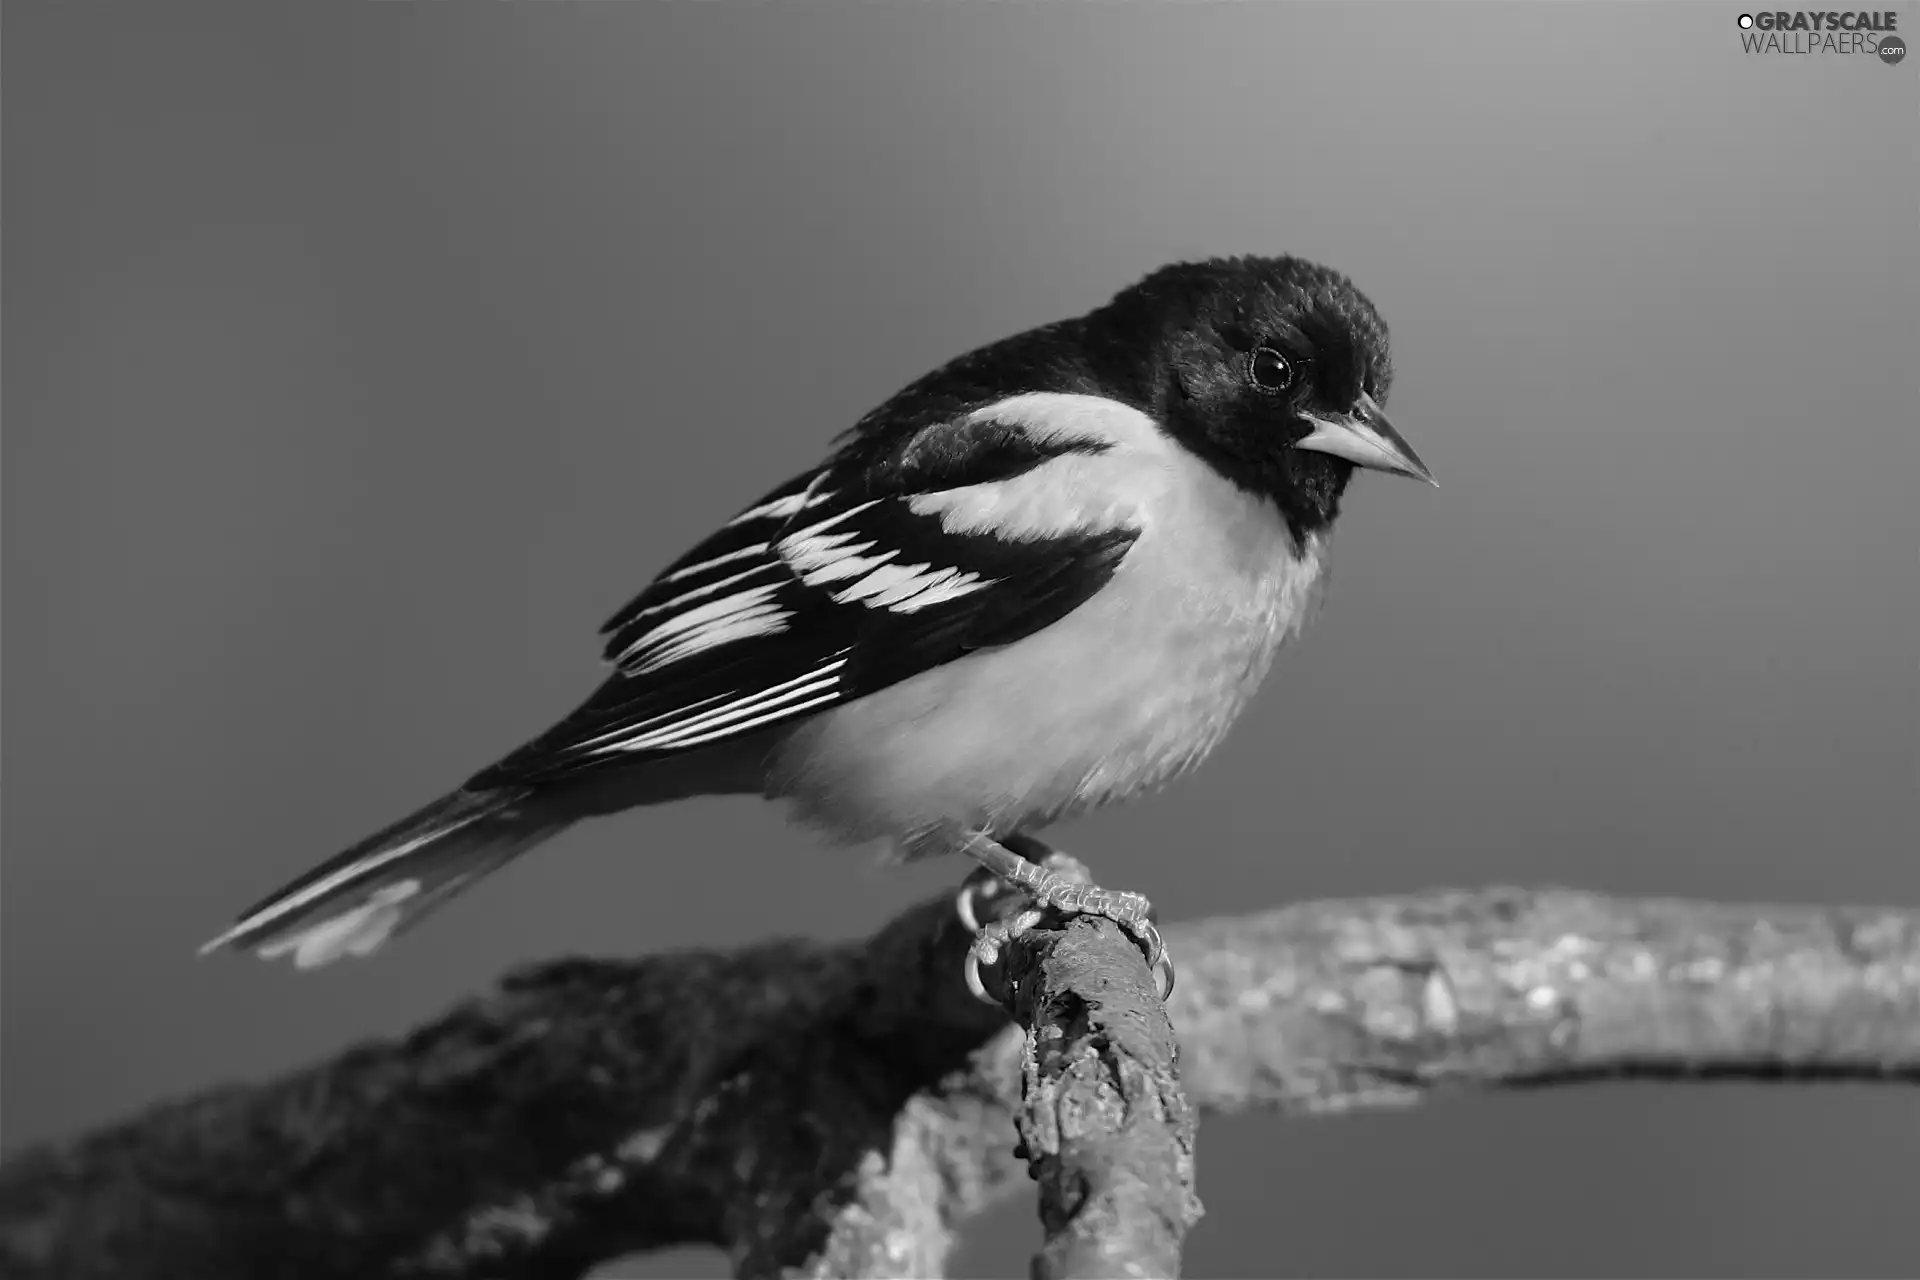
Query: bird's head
point(1273, 369)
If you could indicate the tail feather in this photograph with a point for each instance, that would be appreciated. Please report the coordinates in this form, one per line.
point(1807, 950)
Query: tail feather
point(354, 902)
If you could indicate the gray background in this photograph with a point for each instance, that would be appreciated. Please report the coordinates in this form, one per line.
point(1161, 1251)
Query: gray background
point(362, 359)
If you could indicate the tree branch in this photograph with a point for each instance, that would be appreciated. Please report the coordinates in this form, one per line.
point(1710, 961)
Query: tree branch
point(1105, 1128)
point(1327, 1006)
point(838, 1110)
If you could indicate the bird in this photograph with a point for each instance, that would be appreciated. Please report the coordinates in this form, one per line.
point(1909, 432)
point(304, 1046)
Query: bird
point(1045, 577)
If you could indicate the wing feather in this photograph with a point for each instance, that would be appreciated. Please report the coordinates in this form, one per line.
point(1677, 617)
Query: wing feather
point(828, 588)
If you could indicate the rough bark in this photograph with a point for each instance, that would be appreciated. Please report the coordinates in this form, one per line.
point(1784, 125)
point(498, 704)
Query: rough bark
point(838, 1110)
point(1104, 1125)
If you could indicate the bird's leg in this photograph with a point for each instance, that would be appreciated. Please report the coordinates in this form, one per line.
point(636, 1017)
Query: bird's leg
point(1051, 881)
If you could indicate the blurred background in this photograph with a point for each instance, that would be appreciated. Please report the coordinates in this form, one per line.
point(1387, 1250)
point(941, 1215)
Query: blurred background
point(362, 359)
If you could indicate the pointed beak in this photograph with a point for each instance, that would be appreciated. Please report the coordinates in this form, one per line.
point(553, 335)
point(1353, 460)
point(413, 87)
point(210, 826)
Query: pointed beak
point(1365, 438)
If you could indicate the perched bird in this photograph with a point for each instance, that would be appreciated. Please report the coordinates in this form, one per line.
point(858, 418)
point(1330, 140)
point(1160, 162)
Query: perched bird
point(1044, 577)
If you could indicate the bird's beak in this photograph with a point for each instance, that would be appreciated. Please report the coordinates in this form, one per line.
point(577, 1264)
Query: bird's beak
point(1366, 438)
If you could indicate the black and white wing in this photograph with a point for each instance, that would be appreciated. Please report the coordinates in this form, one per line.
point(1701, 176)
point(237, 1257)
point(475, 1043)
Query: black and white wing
point(830, 587)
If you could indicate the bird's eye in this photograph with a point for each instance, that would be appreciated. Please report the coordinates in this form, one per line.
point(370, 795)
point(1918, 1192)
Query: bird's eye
point(1269, 371)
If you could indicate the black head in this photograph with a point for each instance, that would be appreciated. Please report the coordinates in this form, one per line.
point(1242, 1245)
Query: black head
point(1273, 369)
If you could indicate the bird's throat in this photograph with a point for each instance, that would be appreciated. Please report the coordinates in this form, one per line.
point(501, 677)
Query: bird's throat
point(1308, 490)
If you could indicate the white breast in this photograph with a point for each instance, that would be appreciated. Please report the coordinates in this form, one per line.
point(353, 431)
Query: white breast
point(1130, 690)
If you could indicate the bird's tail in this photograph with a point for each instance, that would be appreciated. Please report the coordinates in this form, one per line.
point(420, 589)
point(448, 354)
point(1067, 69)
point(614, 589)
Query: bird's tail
point(350, 904)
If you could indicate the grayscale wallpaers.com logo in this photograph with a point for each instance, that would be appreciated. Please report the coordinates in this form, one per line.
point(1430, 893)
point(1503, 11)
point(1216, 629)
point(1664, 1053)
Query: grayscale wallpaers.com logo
point(1798, 32)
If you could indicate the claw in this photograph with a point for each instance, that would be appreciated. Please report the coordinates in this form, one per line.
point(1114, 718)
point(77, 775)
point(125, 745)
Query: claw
point(1051, 881)
point(987, 945)
point(1157, 959)
point(980, 887)
point(1156, 945)
point(973, 980)
point(1165, 966)
point(963, 907)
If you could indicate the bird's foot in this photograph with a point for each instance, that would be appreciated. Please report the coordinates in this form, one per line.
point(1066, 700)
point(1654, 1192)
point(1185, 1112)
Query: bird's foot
point(1053, 882)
